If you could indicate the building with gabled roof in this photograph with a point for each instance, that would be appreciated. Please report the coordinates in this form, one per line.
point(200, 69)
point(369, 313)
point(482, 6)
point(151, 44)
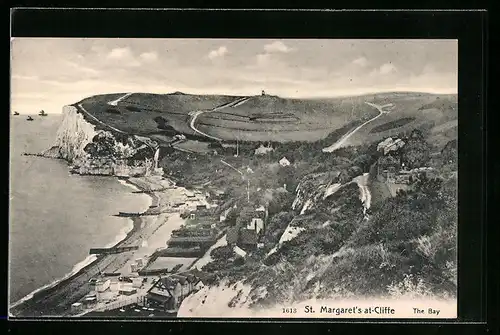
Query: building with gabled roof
point(248, 239)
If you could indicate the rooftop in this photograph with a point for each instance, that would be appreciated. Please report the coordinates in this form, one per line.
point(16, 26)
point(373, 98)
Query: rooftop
point(248, 236)
point(192, 239)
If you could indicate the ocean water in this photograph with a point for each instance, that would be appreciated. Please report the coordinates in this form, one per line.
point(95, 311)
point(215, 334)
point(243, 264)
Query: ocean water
point(55, 217)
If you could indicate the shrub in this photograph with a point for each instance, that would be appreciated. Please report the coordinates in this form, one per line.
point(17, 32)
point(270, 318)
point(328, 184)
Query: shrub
point(133, 108)
point(410, 287)
point(224, 252)
point(113, 111)
point(392, 124)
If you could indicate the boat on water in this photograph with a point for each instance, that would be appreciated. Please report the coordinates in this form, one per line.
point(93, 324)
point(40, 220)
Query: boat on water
point(29, 118)
point(16, 113)
point(42, 113)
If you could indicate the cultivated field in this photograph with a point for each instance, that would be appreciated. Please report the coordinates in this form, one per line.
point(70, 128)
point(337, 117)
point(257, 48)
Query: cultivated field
point(271, 118)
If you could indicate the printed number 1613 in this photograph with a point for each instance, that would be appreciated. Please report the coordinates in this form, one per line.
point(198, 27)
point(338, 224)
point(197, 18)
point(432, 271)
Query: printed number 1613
point(289, 310)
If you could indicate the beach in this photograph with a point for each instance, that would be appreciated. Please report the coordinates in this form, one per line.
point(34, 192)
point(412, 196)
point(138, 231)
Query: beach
point(149, 233)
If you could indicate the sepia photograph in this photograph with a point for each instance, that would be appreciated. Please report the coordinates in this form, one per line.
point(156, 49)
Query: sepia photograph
point(233, 178)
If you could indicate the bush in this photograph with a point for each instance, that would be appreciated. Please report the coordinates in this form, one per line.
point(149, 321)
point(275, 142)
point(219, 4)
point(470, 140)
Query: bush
point(133, 108)
point(239, 261)
point(392, 124)
point(113, 111)
point(224, 252)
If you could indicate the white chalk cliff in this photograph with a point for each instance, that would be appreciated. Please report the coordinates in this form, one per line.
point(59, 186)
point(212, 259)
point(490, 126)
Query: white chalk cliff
point(97, 152)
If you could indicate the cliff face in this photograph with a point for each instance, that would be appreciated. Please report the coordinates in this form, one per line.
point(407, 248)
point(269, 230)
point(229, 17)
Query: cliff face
point(314, 188)
point(98, 152)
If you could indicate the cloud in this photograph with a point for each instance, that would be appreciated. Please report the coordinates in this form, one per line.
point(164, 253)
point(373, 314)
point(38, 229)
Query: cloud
point(277, 46)
point(220, 52)
point(81, 68)
point(361, 61)
point(119, 53)
point(384, 69)
point(149, 56)
point(387, 68)
point(124, 56)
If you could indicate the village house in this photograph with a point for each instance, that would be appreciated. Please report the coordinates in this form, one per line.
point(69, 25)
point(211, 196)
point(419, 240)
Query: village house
point(167, 293)
point(284, 162)
point(248, 239)
point(127, 290)
point(390, 145)
point(102, 285)
point(203, 242)
point(223, 215)
point(232, 236)
point(257, 225)
point(244, 238)
point(201, 207)
point(387, 167)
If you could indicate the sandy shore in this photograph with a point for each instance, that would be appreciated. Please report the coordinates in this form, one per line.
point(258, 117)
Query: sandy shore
point(149, 233)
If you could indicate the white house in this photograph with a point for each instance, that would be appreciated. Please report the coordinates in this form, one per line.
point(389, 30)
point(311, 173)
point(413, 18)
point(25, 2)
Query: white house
point(102, 285)
point(256, 224)
point(284, 162)
point(136, 282)
point(224, 215)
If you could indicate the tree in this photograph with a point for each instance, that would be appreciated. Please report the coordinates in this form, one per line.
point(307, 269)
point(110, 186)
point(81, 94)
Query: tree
point(416, 152)
point(279, 201)
point(224, 252)
point(449, 153)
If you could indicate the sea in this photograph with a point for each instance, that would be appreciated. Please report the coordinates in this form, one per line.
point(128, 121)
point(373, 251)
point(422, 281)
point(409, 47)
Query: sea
point(55, 217)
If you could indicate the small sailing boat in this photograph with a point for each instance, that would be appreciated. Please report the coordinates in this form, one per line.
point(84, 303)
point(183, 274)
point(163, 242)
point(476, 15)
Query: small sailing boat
point(29, 118)
point(42, 113)
point(16, 113)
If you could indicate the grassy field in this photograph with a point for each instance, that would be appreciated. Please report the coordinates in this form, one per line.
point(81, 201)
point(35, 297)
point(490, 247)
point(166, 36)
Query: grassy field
point(392, 124)
point(435, 114)
point(271, 118)
point(177, 103)
point(194, 146)
point(136, 114)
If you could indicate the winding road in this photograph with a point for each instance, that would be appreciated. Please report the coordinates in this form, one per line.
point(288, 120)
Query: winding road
point(344, 138)
point(194, 115)
point(115, 102)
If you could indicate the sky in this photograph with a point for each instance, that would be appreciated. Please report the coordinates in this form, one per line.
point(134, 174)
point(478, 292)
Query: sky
point(50, 73)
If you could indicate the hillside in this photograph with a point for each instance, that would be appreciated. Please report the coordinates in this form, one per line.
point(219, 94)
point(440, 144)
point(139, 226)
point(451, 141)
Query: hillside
point(271, 118)
point(437, 115)
point(151, 114)
point(404, 246)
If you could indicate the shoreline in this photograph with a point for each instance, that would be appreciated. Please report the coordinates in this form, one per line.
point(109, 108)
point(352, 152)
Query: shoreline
point(86, 264)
